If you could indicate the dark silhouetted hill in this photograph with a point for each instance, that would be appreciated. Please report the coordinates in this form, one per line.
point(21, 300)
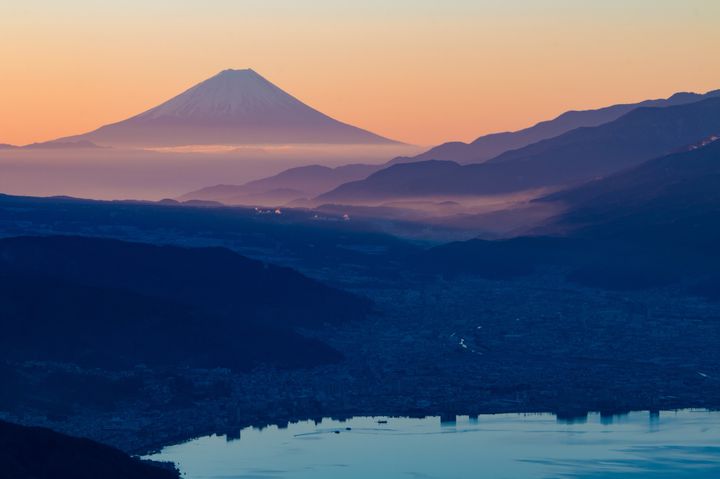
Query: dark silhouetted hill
point(39, 453)
point(116, 304)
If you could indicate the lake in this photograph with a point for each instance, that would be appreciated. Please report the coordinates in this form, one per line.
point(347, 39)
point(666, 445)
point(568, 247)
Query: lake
point(677, 444)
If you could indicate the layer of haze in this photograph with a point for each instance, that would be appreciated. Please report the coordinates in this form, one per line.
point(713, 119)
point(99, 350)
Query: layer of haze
point(419, 71)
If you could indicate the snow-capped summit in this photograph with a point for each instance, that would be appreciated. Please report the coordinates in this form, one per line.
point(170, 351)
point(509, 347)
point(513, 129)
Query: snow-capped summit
point(230, 96)
point(234, 107)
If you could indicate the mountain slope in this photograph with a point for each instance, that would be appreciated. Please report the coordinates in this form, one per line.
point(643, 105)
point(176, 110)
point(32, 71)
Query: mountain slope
point(60, 145)
point(294, 183)
point(39, 453)
point(310, 181)
point(489, 146)
point(574, 157)
point(657, 224)
point(234, 107)
point(109, 303)
point(215, 279)
point(662, 198)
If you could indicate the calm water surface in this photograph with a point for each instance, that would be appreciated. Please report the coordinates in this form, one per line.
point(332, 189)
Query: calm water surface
point(682, 444)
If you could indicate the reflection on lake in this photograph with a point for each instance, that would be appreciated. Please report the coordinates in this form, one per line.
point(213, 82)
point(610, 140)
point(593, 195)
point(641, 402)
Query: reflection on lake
point(682, 444)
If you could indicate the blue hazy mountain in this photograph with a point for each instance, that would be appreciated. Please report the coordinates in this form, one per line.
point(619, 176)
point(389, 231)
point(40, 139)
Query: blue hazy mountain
point(313, 180)
point(489, 146)
point(659, 200)
point(294, 183)
point(572, 158)
point(651, 225)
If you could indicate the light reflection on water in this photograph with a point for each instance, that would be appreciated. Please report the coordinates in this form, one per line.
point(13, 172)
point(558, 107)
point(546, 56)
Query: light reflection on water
point(682, 444)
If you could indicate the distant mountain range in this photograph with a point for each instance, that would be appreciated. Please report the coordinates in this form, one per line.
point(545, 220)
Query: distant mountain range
point(678, 194)
point(292, 184)
point(235, 107)
point(571, 158)
point(60, 144)
point(310, 181)
point(39, 453)
point(489, 146)
point(52, 145)
point(109, 303)
point(653, 225)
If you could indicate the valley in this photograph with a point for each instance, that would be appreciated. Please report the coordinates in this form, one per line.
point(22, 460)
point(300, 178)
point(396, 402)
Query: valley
point(443, 348)
point(442, 342)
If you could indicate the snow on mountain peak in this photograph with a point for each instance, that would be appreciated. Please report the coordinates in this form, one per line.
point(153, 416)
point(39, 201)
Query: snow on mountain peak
point(231, 96)
point(234, 107)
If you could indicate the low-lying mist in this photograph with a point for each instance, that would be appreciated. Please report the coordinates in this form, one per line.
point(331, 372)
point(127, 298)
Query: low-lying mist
point(105, 173)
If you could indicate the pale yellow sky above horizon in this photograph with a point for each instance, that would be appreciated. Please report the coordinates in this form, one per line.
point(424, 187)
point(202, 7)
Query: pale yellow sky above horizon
point(419, 71)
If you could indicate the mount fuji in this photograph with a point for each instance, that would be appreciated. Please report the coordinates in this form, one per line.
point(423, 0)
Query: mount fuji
point(234, 107)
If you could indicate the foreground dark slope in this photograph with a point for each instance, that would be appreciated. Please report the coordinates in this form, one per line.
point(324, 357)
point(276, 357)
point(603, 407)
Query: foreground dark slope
point(110, 303)
point(574, 157)
point(489, 146)
point(39, 453)
point(652, 225)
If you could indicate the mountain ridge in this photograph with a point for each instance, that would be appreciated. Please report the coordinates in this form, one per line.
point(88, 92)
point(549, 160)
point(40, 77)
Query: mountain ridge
point(293, 183)
point(491, 145)
point(571, 158)
point(683, 183)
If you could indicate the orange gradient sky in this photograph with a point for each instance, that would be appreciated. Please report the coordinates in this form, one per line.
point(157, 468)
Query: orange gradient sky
point(419, 71)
